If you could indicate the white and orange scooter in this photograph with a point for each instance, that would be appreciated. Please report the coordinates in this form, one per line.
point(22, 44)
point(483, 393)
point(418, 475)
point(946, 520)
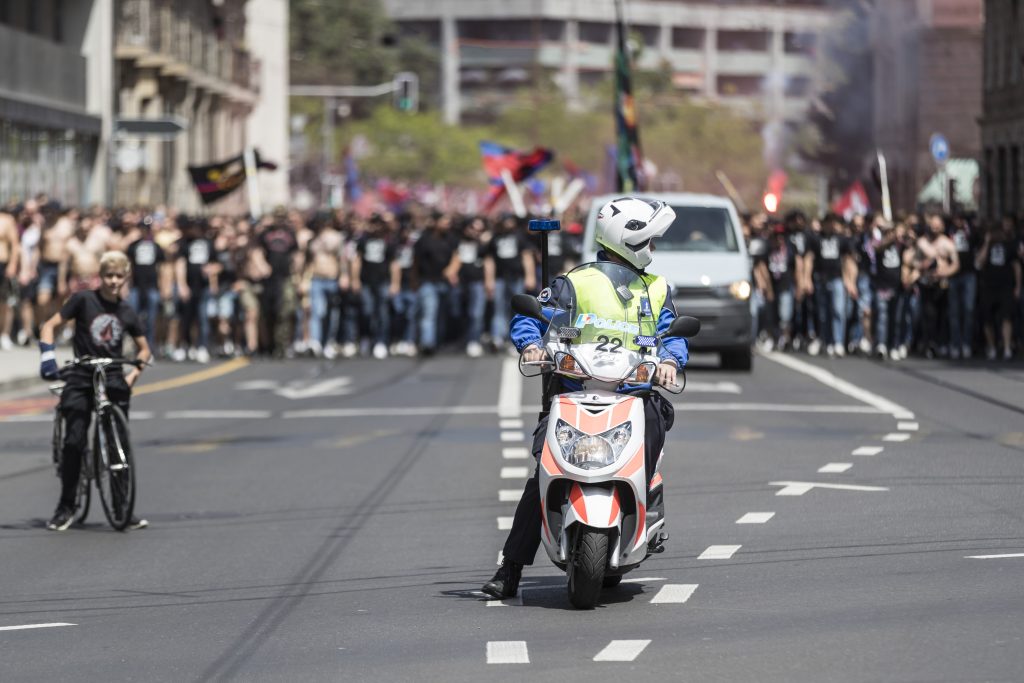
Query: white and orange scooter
point(592, 475)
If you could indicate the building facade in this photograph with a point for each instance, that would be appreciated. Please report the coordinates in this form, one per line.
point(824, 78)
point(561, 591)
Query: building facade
point(1002, 122)
point(756, 57)
point(928, 59)
point(55, 109)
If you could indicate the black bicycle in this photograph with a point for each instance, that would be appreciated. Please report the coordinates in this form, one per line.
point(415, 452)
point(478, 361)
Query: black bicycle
point(107, 459)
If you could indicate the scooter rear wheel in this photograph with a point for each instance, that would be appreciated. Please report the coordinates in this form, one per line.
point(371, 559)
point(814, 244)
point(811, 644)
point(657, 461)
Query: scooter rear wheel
point(586, 574)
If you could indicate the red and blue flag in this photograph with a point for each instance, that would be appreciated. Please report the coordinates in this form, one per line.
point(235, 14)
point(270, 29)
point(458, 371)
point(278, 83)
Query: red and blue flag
point(520, 165)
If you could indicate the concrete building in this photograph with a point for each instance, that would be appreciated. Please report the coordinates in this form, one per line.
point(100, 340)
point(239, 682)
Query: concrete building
point(1002, 122)
point(928, 59)
point(757, 57)
point(55, 104)
point(267, 39)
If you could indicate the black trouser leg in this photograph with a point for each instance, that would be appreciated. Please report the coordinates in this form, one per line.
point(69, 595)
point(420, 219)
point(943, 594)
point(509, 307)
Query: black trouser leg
point(76, 430)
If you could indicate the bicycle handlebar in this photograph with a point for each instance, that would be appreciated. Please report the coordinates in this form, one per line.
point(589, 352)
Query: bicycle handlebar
point(104, 362)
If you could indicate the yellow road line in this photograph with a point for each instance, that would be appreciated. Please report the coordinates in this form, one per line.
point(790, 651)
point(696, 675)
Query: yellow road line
point(192, 377)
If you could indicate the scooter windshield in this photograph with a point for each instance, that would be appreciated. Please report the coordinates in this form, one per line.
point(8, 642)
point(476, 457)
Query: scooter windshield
point(603, 325)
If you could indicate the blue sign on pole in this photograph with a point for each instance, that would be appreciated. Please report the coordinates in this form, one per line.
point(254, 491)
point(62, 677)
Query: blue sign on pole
point(939, 147)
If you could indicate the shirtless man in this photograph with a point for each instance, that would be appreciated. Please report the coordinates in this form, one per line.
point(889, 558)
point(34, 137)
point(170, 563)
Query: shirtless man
point(9, 252)
point(326, 274)
point(303, 236)
point(254, 272)
point(940, 261)
point(28, 273)
point(58, 228)
point(84, 250)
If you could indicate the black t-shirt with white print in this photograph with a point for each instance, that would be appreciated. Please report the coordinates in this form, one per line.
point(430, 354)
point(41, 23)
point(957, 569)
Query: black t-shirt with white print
point(889, 266)
point(376, 254)
point(782, 266)
point(506, 249)
point(145, 256)
point(471, 255)
point(198, 253)
point(100, 326)
point(828, 253)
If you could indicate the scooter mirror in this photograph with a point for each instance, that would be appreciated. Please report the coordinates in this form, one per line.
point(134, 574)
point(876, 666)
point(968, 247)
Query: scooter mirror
point(683, 326)
point(524, 304)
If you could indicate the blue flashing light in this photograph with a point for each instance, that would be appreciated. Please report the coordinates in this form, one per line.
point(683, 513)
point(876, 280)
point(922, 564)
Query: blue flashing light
point(545, 225)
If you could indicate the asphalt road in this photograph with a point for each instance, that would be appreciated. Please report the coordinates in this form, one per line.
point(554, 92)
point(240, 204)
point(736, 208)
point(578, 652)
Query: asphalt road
point(333, 522)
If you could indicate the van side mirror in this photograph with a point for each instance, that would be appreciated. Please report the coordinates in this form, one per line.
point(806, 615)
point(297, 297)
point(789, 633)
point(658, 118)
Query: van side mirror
point(524, 304)
point(683, 326)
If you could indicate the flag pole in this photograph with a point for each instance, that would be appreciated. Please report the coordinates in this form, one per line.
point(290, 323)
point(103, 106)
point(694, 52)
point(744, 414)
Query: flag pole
point(884, 177)
point(251, 182)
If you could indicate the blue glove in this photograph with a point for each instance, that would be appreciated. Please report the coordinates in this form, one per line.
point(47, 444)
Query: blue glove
point(47, 361)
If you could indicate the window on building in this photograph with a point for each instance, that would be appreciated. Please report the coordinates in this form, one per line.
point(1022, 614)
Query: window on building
point(593, 32)
point(688, 38)
point(647, 34)
point(798, 86)
point(739, 86)
point(799, 43)
point(743, 41)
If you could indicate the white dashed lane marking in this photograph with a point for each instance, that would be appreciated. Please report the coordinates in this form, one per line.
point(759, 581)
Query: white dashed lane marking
point(896, 436)
point(514, 472)
point(868, 450)
point(994, 557)
point(217, 415)
point(674, 593)
point(504, 523)
point(835, 468)
point(509, 495)
point(26, 627)
point(512, 437)
point(755, 518)
point(719, 552)
point(907, 426)
point(507, 652)
point(799, 488)
point(511, 424)
point(515, 453)
point(621, 651)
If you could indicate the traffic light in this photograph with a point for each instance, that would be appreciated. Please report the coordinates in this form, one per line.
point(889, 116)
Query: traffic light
point(407, 92)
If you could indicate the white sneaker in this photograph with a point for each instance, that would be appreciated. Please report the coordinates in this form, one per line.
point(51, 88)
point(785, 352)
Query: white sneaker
point(474, 349)
point(330, 351)
point(380, 351)
point(202, 355)
point(865, 346)
point(22, 337)
point(814, 348)
point(966, 352)
point(316, 349)
point(882, 351)
point(300, 347)
point(349, 350)
point(229, 348)
point(895, 355)
point(840, 351)
point(5, 343)
point(1007, 354)
point(954, 353)
point(178, 355)
point(990, 353)
point(830, 351)
point(903, 351)
point(191, 355)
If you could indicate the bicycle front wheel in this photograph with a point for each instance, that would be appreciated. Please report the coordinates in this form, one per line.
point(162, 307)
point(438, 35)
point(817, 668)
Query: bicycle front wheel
point(114, 467)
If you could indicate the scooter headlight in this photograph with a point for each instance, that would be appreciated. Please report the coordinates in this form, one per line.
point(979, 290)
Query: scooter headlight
point(590, 451)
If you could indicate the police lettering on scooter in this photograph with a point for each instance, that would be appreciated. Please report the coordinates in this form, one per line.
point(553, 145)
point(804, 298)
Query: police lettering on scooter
point(610, 301)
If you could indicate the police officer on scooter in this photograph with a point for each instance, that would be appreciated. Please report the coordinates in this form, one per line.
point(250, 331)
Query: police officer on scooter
point(626, 229)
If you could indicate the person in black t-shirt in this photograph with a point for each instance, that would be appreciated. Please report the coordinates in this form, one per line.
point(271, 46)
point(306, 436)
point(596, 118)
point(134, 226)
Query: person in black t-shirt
point(469, 299)
point(149, 277)
point(101, 318)
point(406, 301)
point(963, 289)
point(195, 272)
point(435, 267)
point(830, 262)
point(782, 275)
point(509, 268)
point(1000, 284)
point(886, 281)
point(376, 277)
point(281, 247)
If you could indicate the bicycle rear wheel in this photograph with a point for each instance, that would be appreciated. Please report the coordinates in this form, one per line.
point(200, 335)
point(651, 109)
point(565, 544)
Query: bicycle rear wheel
point(114, 467)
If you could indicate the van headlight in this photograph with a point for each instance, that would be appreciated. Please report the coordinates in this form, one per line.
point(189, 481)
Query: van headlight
point(591, 451)
point(740, 290)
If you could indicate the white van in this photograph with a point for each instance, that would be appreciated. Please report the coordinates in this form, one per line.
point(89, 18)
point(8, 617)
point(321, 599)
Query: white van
point(704, 258)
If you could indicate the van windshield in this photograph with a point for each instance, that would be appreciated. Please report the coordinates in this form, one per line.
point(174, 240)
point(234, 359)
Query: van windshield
point(699, 228)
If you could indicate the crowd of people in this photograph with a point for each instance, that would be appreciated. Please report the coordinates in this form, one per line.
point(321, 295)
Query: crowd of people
point(933, 285)
point(336, 284)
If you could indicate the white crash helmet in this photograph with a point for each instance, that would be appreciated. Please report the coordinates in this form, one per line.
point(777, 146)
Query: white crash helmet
point(627, 225)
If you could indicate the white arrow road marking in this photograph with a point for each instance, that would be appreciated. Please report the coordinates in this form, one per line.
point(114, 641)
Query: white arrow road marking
point(719, 552)
point(335, 386)
point(507, 652)
point(621, 651)
point(993, 557)
point(25, 627)
point(896, 436)
point(714, 387)
point(674, 593)
point(516, 601)
point(514, 472)
point(512, 437)
point(511, 424)
point(867, 450)
point(840, 385)
point(515, 453)
point(907, 426)
point(755, 518)
point(217, 415)
point(510, 393)
point(257, 385)
point(509, 495)
point(799, 488)
point(835, 468)
point(504, 523)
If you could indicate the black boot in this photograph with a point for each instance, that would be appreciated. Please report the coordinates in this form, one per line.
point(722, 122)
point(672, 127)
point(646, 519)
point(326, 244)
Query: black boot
point(505, 583)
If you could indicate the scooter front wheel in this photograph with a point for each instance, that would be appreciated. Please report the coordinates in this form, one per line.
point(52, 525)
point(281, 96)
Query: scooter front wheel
point(586, 573)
